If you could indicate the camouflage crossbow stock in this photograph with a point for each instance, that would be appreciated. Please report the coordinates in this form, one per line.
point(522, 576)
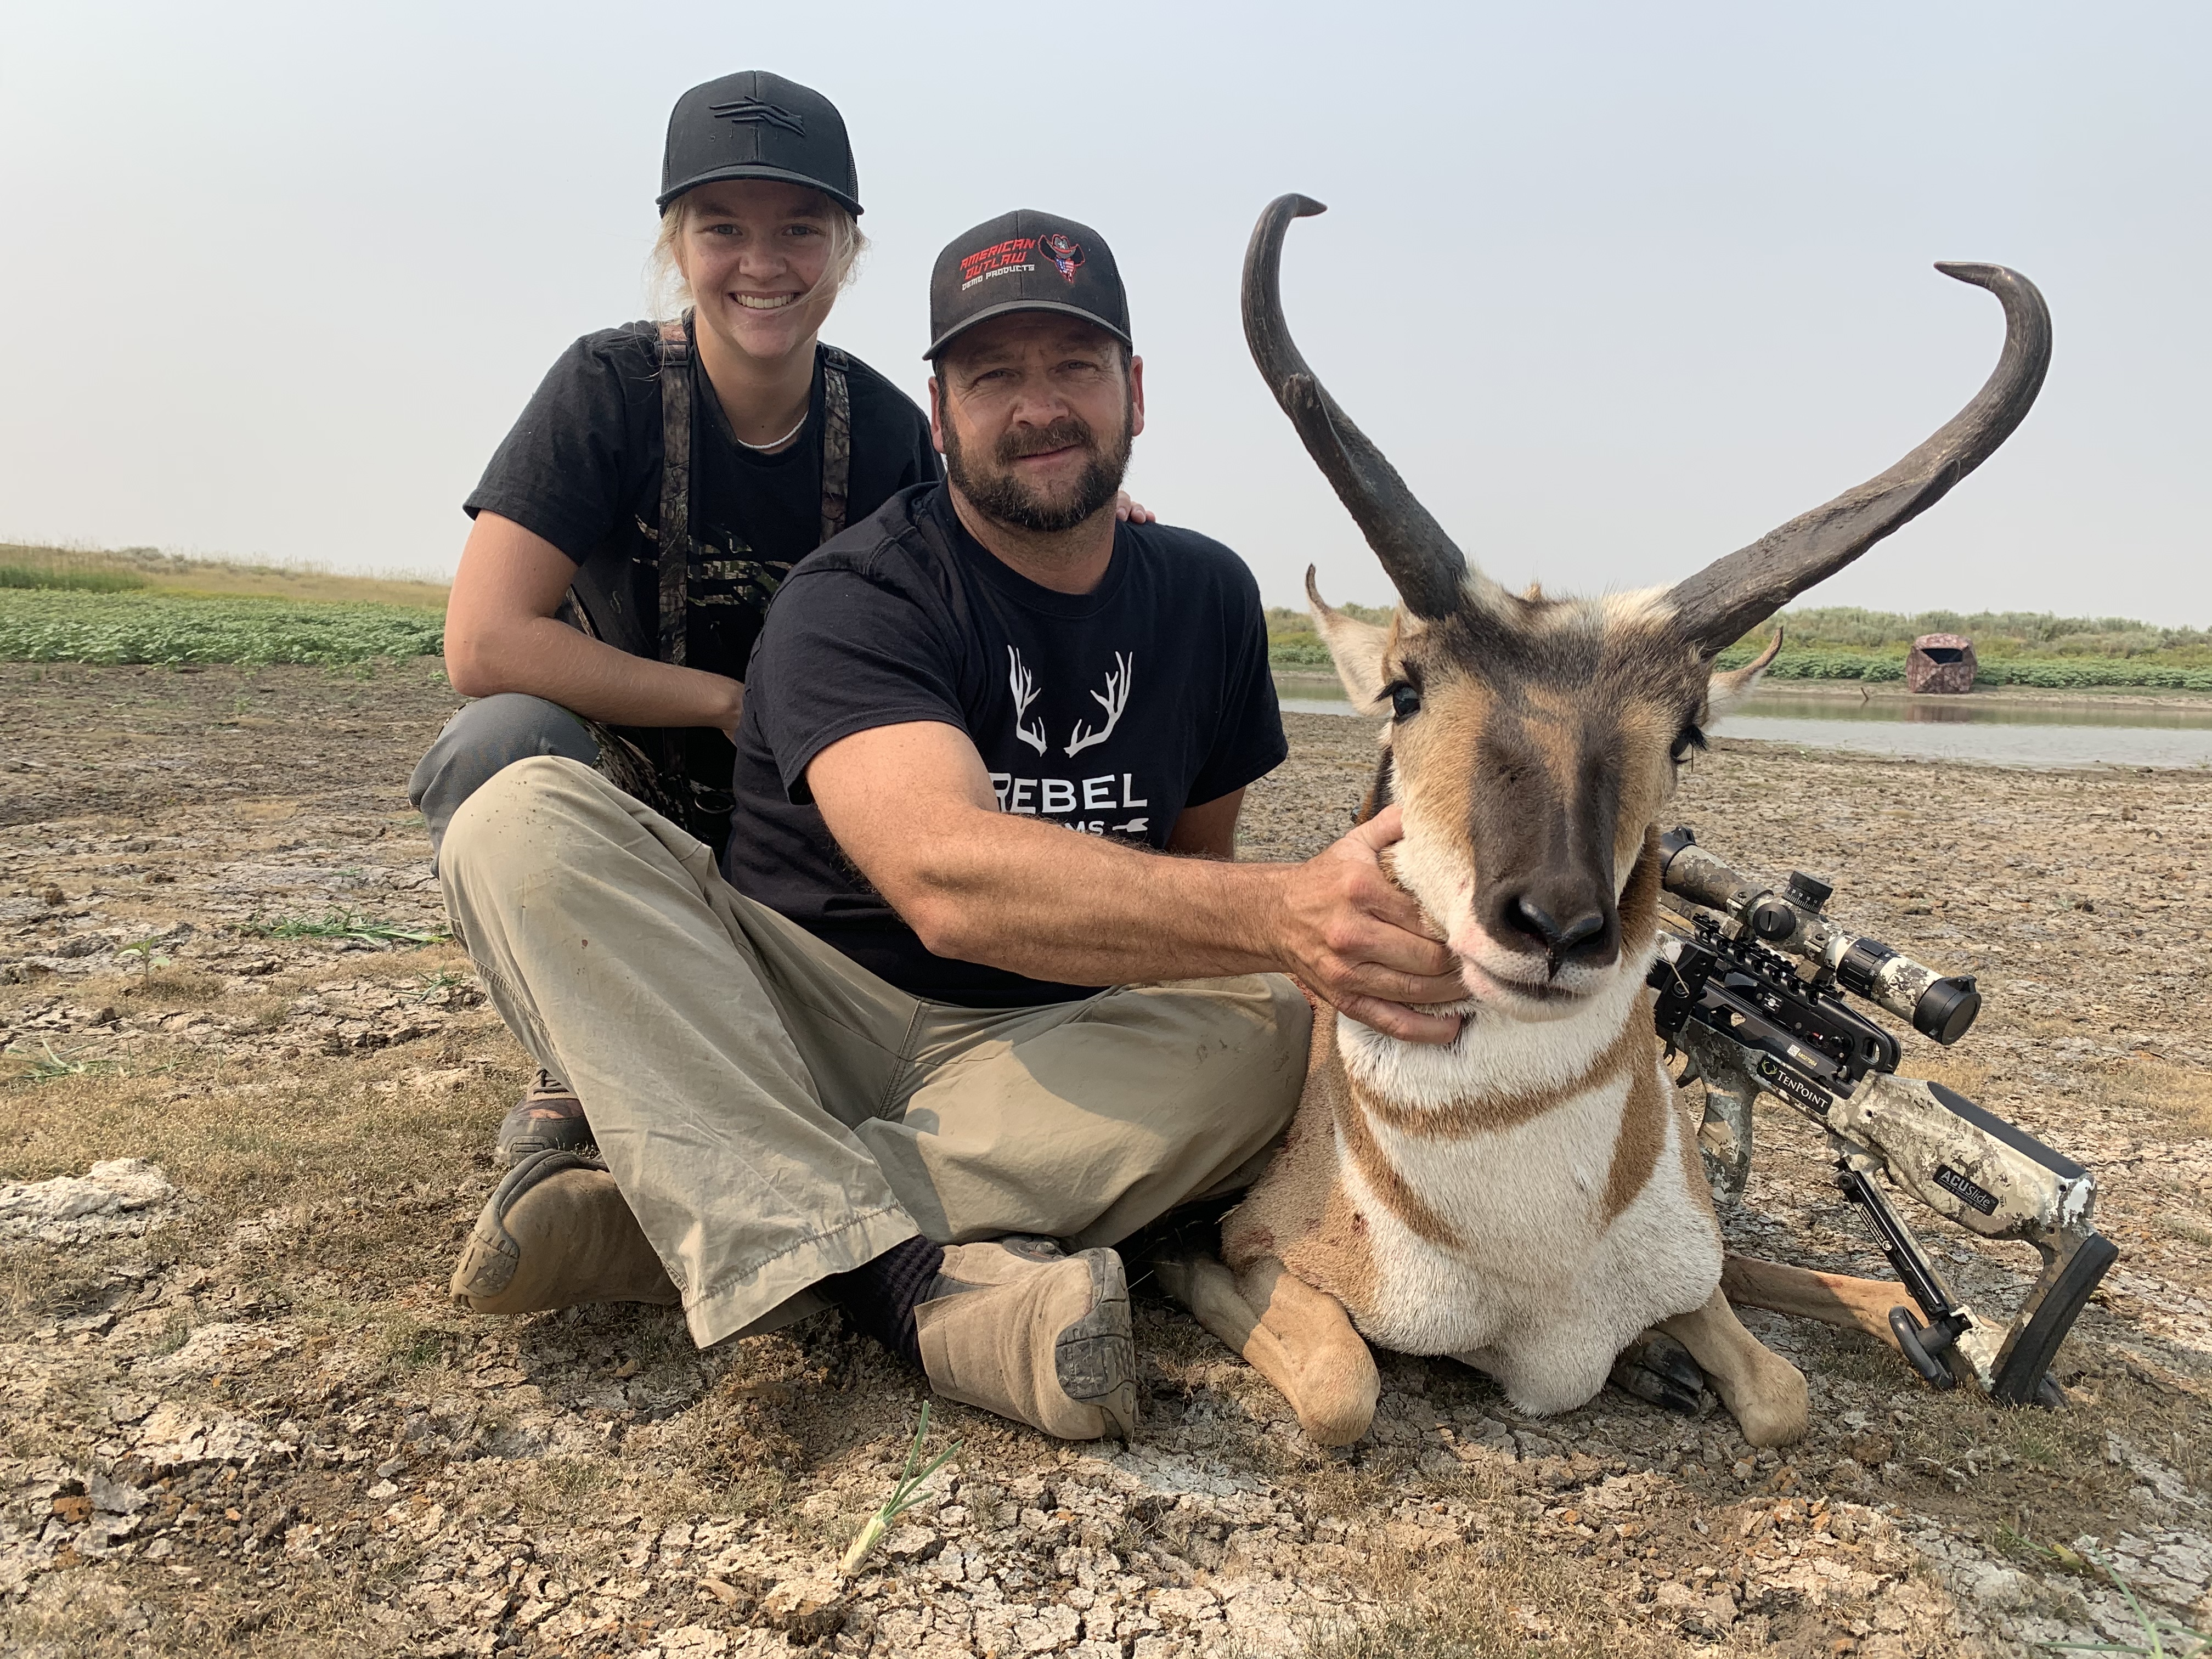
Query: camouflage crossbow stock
point(1754, 1021)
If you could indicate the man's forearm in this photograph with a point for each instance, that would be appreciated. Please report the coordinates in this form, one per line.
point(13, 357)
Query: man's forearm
point(1056, 904)
point(913, 807)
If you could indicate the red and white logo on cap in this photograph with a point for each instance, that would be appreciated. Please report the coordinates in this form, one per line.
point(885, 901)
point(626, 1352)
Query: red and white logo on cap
point(1065, 252)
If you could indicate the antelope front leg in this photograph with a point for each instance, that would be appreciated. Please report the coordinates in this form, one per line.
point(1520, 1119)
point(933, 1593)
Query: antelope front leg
point(1853, 1304)
point(1765, 1391)
point(1299, 1337)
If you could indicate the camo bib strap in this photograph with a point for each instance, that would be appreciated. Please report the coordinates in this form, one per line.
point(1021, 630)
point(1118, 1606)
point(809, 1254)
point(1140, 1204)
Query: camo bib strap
point(675, 553)
point(836, 439)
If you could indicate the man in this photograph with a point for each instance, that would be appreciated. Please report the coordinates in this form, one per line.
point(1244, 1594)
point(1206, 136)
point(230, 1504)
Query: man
point(922, 1037)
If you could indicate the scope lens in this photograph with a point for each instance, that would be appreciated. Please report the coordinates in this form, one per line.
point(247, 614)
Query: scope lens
point(1946, 1009)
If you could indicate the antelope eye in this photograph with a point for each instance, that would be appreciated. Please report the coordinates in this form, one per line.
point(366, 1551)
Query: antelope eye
point(1405, 701)
point(1687, 742)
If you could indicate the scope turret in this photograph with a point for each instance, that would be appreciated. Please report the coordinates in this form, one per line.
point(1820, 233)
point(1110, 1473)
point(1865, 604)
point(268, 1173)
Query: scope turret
point(1939, 1006)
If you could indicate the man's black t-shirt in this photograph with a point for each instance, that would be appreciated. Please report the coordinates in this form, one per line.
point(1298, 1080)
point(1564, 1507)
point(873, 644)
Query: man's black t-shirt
point(582, 469)
point(1106, 712)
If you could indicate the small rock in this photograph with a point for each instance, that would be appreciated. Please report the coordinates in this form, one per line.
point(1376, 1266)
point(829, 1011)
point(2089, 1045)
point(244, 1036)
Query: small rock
point(1871, 1449)
point(112, 1198)
point(1993, 1586)
point(384, 1489)
point(808, 1607)
point(912, 1543)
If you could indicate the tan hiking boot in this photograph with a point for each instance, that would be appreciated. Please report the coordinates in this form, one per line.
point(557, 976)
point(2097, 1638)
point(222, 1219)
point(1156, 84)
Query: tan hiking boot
point(556, 1232)
point(1019, 1328)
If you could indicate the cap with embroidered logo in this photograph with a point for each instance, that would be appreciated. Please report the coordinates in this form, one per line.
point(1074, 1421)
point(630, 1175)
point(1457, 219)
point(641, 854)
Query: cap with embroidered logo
point(1025, 261)
point(754, 124)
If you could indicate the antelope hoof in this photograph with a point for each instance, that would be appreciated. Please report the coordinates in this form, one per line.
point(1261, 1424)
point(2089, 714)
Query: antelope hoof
point(1774, 1409)
point(1765, 1392)
point(1658, 1370)
point(1335, 1385)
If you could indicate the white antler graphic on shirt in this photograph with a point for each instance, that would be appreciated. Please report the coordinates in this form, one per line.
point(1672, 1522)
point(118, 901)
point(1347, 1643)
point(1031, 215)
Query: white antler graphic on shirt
point(1024, 687)
point(1113, 702)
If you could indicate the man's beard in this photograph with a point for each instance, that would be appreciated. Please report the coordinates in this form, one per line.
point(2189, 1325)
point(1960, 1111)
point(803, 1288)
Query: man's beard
point(1001, 495)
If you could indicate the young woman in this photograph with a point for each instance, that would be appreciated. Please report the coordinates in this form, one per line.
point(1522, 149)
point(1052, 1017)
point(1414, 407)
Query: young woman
point(632, 528)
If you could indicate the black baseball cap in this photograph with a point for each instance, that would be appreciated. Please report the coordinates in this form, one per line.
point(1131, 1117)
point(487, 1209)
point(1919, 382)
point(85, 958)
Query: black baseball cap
point(754, 124)
point(1025, 261)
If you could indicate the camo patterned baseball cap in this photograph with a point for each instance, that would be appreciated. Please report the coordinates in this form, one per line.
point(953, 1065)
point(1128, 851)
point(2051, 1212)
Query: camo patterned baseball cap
point(1026, 260)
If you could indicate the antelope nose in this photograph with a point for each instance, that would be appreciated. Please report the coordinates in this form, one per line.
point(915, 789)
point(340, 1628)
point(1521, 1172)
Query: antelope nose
point(1532, 918)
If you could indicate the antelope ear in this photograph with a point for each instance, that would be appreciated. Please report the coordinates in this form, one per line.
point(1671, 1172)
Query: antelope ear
point(1356, 648)
point(1723, 691)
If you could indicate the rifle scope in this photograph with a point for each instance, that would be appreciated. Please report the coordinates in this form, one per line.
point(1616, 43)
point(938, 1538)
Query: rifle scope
point(1939, 1005)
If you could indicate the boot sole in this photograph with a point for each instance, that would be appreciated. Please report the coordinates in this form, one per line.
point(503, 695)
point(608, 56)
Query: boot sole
point(489, 1257)
point(1096, 1357)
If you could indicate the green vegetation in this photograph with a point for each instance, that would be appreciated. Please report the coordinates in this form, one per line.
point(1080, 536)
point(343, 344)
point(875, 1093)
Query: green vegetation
point(905, 1494)
point(1995, 635)
point(1292, 643)
point(36, 574)
point(2012, 647)
point(340, 925)
point(59, 625)
point(139, 604)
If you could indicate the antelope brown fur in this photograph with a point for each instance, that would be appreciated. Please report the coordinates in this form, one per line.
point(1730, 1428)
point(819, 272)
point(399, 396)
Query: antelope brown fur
point(1529, 1198)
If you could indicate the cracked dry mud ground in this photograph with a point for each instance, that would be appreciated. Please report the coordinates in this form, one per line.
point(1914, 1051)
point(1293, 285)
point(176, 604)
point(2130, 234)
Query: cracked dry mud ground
point(242, 1416)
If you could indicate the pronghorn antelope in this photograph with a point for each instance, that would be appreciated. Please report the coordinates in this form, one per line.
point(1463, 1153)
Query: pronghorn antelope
point(1529, 1199)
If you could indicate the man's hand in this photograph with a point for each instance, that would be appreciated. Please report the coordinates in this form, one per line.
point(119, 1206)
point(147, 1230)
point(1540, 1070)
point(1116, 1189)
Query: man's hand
point(1358, 940)
point(1132, 512)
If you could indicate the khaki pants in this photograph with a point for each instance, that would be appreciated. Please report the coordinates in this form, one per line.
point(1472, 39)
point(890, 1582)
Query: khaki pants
point(775, 1113)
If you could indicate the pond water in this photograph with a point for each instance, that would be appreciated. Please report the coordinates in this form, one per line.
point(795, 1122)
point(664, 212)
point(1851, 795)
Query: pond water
point(1969, 729)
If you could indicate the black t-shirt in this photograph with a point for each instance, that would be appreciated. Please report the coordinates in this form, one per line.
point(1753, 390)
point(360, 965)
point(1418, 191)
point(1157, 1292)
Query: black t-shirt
point(582, 469)
point(1106, 712)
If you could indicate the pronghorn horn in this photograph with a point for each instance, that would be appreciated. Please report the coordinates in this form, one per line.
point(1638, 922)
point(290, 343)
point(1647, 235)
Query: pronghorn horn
point(1421, 561)
point(1732, 594)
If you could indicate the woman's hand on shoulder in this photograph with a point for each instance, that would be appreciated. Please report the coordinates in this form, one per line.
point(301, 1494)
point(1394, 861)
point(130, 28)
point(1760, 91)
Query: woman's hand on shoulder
point(1133, 512)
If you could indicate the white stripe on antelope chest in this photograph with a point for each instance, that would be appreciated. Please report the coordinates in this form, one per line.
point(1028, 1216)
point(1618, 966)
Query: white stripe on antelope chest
point(1525, 1207)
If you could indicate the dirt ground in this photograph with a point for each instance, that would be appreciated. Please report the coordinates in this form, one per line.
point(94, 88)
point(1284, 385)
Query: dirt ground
point(242, 1416)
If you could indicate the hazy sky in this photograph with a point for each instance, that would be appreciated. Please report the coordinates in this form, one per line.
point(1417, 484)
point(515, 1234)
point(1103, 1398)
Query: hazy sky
point(1616, 287)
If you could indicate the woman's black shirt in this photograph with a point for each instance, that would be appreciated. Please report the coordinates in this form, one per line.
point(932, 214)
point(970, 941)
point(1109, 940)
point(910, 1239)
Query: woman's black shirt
point(582, 469)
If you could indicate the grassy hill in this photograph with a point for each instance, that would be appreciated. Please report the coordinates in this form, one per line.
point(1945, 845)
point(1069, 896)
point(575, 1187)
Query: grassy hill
point(131, 569)
point(140, 605)
point(1846, 642)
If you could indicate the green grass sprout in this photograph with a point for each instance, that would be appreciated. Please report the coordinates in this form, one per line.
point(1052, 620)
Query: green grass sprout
point(48, 1067)
point(435, 986)
point(338, 924)
point(147, 952)
point(2163, 1637)
point(904, 1496)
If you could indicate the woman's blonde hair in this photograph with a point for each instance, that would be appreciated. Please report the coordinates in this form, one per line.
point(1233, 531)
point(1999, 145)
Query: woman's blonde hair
point(668, 291)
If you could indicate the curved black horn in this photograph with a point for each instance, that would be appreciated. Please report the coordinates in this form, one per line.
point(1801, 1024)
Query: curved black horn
point(1732, 594)
point(1421, 561)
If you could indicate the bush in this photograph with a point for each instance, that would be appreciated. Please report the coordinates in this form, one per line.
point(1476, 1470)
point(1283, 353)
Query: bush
point(1996, 634)
point(56, 576)
point(1298, 652)
point(158, 628)
point(2066, 673)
